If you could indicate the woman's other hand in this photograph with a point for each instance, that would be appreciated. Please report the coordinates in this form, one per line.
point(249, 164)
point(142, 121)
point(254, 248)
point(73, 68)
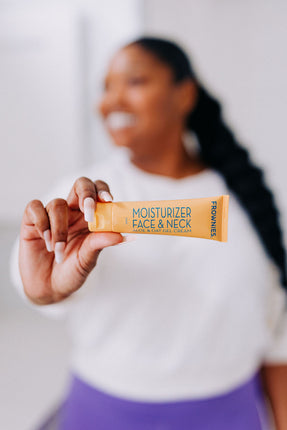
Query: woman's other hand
point(57, 251)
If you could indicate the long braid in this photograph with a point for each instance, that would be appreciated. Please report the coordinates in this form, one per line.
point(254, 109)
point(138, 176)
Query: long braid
point(220, 150)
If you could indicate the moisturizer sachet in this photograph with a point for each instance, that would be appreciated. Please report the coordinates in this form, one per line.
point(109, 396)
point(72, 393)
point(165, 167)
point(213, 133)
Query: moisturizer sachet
point(204, 218)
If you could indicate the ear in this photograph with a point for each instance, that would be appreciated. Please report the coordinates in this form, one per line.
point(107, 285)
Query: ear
point(187, 94)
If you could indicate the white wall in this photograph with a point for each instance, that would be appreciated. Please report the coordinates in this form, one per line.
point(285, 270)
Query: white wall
point(40, 101)
point(117, 23)
point(239, 51)
point(52, 54)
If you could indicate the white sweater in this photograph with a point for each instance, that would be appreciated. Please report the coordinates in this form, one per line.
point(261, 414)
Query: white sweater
point(167, 318)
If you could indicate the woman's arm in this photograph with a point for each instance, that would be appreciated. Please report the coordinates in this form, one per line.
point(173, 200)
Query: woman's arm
point(275, 383)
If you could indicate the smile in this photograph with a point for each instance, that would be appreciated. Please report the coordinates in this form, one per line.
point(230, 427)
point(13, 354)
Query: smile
point(118, 120)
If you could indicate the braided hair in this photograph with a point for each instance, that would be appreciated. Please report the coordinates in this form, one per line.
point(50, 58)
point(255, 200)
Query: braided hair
point(220, 150)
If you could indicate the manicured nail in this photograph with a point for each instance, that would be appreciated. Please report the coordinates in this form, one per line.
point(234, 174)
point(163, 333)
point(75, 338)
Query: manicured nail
point(59, 251)
point(128, 239)
point(89, 209)
point(47, 239)
point(105, 196)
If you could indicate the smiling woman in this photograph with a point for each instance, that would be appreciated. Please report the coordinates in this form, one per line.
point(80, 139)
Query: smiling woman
point(145, 110)
point(169, 332)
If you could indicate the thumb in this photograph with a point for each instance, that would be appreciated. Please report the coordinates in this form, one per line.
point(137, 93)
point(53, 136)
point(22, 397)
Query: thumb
point(91, 247)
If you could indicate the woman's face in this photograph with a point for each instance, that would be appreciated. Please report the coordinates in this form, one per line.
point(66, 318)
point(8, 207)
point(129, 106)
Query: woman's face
point(141, 104)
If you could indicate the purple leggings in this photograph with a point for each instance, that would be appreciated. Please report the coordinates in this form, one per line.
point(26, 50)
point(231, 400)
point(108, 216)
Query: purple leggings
point(89, 409)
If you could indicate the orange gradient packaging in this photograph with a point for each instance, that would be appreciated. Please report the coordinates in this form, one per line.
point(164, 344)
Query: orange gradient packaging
point(205, 218)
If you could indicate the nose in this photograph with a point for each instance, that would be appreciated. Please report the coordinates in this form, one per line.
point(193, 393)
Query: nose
point(116, 97)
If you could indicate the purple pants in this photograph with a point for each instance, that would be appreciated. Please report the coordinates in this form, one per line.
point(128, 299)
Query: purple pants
point(89, 409)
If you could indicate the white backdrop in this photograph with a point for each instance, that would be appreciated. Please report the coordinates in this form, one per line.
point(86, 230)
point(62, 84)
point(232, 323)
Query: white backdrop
point(52, 57)
point(239, 50)
point(40, 101)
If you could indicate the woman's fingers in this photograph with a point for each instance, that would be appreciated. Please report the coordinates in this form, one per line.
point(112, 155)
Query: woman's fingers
point(50, 223)
point(91, 247)
point(84, 195)
point(48, 240)
point(37, 223)
point(82, 189)
point(103, 190)
point(57, 211)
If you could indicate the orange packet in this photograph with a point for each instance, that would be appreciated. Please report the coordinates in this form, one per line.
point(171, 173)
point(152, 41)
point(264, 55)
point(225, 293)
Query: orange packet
point(203, 218)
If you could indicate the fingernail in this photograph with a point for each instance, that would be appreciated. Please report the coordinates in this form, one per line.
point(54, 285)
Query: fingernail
point(105, 196)
point(89, 209)
point(59, 251)
point(47, 239)
point(128, 239)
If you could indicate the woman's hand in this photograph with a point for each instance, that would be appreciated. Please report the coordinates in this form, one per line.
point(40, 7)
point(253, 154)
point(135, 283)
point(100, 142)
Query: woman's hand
point(57, 251)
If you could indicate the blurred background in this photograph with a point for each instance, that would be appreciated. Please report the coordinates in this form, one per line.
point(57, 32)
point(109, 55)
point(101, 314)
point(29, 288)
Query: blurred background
point(53, 55)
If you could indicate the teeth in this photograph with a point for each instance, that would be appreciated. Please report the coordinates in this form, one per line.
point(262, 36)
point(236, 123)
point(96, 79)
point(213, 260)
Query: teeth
point(117, 120)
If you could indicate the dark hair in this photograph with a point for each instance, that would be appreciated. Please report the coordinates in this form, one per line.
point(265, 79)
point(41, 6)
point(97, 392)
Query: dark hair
point(220, 150)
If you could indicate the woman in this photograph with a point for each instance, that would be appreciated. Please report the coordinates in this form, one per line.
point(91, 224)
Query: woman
point(169, 332)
